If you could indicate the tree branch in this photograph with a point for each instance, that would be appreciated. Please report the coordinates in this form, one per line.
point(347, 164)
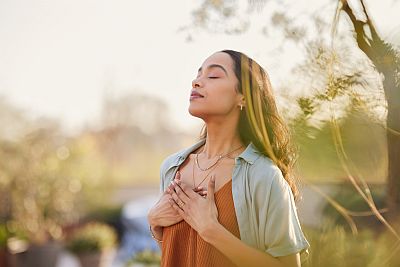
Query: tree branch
point(358, 27)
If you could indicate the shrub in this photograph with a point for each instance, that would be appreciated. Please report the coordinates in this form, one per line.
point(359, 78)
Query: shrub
point(92, 237)
point(146, 257)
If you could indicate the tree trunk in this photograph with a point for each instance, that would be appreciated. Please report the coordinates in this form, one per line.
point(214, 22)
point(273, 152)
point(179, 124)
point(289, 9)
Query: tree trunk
point(387, 61)
point(393, 144)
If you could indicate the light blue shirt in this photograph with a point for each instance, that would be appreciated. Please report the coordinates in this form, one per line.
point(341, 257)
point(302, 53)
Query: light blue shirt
point(264, 203)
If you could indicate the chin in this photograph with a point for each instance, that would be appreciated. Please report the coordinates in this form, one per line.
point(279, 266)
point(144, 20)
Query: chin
point(196, 112)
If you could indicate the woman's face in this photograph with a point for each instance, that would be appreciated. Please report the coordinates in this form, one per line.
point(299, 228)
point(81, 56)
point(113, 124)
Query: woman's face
point(214, 89)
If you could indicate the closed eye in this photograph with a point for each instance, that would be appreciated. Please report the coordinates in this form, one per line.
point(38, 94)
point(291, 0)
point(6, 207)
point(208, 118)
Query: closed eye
point(213, 77)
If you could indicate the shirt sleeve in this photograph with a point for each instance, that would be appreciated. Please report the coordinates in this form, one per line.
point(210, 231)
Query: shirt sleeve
point(283, 233)
point(161, 181)
point(163, 167)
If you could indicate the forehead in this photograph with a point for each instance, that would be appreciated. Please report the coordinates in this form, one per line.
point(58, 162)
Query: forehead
point(219, 58)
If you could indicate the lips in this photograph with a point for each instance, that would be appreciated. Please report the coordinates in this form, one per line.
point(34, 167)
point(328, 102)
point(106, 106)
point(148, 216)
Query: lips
point(195, 94)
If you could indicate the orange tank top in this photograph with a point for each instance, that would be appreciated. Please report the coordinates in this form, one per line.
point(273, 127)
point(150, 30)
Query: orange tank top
point(182, 246)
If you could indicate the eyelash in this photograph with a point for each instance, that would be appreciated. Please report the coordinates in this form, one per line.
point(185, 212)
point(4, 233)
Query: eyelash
point(213, 77)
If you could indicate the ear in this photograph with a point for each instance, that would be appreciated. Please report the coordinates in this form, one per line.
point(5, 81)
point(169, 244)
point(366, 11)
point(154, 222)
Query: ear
point(240, 99)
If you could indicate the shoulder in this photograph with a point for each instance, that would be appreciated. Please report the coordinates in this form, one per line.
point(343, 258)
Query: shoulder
point(265, 171)
point(261, 171)
point(171, 160)
point(266, 178)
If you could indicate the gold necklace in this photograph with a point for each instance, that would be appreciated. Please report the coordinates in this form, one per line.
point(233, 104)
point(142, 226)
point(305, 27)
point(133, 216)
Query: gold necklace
point(214, 165)
point(219, 158)
point(194, 184)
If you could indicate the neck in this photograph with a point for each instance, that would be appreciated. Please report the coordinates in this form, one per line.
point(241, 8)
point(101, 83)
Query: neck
point(222, 137)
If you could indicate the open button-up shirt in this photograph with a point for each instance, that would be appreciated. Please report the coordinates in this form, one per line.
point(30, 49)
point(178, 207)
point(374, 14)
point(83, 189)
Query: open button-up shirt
point(263, 200)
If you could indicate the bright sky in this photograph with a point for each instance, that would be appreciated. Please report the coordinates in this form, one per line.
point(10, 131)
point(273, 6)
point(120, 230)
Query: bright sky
point(57, 57)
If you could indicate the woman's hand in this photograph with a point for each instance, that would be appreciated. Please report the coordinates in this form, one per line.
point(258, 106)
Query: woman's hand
point(199, 212)
point(162, 214)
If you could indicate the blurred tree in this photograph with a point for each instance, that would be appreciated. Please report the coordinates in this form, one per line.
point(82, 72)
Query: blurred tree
point(148, 113)
point(16, 121)
point(47, 179)
point(135, 134)
point(386, 59)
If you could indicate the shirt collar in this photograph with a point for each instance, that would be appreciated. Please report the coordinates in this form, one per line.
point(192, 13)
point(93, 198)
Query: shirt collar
point(250, 154)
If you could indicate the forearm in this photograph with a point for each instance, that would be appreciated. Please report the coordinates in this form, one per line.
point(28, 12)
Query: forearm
point(237, 251)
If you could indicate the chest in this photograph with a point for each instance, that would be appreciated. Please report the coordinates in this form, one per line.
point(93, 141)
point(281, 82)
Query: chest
point(192, 175)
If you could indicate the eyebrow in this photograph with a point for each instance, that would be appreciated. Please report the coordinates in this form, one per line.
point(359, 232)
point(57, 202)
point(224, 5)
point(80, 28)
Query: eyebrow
point(214, 66)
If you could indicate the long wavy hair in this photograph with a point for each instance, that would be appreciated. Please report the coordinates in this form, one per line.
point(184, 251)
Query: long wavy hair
point(261, 124)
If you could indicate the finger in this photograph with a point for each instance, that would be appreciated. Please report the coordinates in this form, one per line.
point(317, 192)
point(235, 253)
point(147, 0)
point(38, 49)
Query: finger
point(170, 187)
point(185, 188)
point(176, 207)
point(178, 175)
point(181, 193)
point(211, 189)
point(177, 199)
point(203, 195)
point(199, 188)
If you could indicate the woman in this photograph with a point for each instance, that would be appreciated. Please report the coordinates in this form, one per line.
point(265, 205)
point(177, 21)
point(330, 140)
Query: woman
point(246, 216)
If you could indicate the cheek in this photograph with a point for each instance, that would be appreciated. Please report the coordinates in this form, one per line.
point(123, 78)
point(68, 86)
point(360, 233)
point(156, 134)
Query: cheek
point(222, 103)
point(220, 99)
point(225, 97)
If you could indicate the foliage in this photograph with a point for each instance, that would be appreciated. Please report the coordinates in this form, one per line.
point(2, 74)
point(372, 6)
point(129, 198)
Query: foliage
point(146, 257)
point(4, 235)
point(368, 152)
point(333, 246)
point(92, 237)
point(110, 215)
point(50, 179)
point(44, 179)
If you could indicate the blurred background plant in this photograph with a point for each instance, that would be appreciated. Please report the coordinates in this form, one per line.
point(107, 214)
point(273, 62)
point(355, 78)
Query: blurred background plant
point(92, 237)
point(145, 258)
point(335, 246)
point(94, 243)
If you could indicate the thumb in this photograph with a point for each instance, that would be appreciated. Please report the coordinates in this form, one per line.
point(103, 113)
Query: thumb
point(211, 188)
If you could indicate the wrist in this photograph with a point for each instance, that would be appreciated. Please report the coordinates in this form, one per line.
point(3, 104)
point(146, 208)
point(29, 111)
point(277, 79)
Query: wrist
point(156, 233)
point(211, 232)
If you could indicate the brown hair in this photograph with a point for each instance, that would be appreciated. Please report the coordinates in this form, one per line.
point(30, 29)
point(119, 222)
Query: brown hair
point(261, 124)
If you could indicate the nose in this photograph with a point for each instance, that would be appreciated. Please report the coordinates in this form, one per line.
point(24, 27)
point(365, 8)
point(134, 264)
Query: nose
point(196, 83)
